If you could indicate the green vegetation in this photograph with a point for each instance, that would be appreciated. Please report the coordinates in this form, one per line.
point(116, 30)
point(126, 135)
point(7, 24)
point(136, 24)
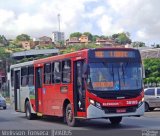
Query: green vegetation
point(152, 71)
point(23, 37)
point(79, 47)
point(3, 41)
point(49, 46)
point(120, 38)
point(75, 34)
point(89, 35)
point(138, 44)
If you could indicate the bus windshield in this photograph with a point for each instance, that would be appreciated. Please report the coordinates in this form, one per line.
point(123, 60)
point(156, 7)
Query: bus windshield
point(106, 76)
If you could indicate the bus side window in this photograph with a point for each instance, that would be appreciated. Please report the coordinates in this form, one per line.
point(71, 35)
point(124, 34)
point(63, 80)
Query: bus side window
point(47, 73)
point(24, 76)
point(57, 72)
point(31, 75)
point(66, 71)
point(53, 72)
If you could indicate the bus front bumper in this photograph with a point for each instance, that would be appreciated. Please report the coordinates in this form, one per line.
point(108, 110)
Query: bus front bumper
point(95, 112)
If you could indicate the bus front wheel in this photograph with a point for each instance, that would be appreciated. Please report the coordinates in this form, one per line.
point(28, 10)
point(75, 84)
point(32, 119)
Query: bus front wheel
point(69, 116)
point(29, 115)
point(115, 120)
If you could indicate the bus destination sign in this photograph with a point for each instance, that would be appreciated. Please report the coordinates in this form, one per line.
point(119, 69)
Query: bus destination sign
point(114, 54)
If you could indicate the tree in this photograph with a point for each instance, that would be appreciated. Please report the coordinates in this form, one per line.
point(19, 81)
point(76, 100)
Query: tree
point(94, 37)
point(114, 36)
point(3, 40)
point(152, 70)
point(89, 35)
point(122, 38)
point(79, 47)
point(138, 44)
point(3, 53)
point(75, 34)
point(103, 37)
point(23, 37)
point(157, 46)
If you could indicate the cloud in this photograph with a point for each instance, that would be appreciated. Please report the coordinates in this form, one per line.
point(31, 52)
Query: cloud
point(140, 17)
point(38, 17)
point(107, 26)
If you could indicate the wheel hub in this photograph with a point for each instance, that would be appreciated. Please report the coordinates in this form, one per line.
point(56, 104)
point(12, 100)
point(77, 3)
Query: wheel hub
point(27, 112)
point(70, 116)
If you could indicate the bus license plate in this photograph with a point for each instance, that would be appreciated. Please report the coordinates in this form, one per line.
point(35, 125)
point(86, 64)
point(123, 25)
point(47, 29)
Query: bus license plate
point(121, 110)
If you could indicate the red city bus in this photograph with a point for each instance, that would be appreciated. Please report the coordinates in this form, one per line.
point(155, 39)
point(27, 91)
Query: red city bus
point(90, 83)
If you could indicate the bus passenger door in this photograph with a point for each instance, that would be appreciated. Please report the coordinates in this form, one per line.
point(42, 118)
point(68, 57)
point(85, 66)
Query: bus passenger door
point(38, 89)
point(79, 88)
point(17, 90)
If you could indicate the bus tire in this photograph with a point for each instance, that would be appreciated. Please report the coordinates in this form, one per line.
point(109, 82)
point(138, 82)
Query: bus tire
point(29, 115)
point(115, 120)
point(69, 116)
point(146, 107)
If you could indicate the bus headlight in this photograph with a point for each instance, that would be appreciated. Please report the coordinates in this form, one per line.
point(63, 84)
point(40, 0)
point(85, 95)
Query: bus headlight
point(143, 99)
point(92, 101)
point(140, 102)
point(97, 104)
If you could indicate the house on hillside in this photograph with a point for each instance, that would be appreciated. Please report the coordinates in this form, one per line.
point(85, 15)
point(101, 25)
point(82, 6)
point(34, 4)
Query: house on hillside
point(72, 41)
point(44, 40)
point(84, 39)
point(105, 42)
point(26, 45)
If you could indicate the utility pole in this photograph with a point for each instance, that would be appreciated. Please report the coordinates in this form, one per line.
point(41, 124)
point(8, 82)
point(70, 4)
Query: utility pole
point(59, 22)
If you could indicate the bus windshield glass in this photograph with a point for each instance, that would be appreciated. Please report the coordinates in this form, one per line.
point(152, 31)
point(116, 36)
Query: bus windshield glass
point(105, 76)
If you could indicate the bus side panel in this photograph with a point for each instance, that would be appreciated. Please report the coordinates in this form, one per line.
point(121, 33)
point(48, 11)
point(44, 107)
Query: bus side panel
point(53, 99)
point(32, 98)
point(66, 92)
point(49, 100)
point(24, 93)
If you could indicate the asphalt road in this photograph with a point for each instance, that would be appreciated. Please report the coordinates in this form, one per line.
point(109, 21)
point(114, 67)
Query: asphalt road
point(9, 119)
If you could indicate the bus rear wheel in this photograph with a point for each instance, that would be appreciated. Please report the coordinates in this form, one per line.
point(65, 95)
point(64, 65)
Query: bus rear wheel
point(115, 120)
point(29, 115)
point(69, 116)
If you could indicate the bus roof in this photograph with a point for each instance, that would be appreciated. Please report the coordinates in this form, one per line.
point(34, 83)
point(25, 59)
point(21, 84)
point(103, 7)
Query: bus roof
point(21, 64)
point(64, 56)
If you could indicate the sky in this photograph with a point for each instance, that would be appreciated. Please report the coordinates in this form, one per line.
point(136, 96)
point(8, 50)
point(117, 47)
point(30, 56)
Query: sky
point(141, 18)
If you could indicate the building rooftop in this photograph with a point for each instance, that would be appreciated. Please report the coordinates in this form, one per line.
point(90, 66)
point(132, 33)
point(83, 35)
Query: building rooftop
point(30, 53)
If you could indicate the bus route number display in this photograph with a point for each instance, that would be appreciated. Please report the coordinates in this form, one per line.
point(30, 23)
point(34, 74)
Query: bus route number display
point(114, 54)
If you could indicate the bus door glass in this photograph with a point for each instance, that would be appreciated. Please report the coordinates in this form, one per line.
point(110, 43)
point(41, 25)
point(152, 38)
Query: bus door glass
point(38, 92)
point(17, 90)
point(79, 89)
